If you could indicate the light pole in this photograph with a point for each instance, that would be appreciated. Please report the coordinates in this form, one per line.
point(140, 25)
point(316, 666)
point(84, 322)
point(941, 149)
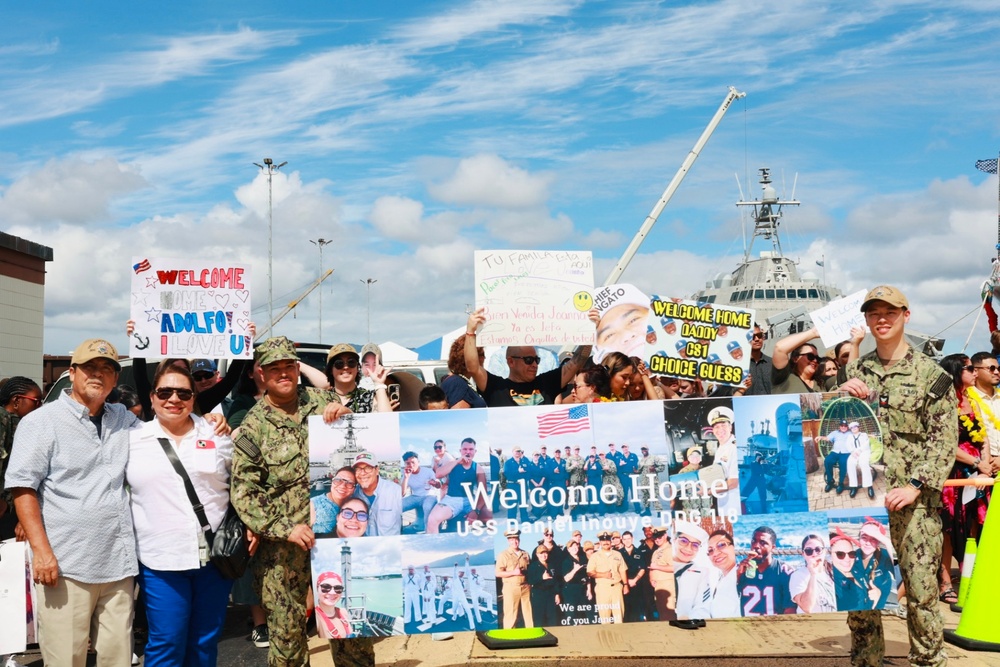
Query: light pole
point(270, 168)
point(369, 281)
point(319, 243)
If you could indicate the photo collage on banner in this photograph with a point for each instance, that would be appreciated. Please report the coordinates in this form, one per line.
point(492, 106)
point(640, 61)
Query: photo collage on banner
point(610, 512)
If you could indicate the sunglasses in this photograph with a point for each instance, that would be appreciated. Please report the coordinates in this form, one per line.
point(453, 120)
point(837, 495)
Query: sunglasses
point(326, 588)
point(969, 368)
point(164, 393)
point(341, 364)
point(36, 401)
point(811, 356)
point(758, 336)
point(685, 542)
point(531, 361)
point(340, 481)
point(201, 377)
point(438, 447)
point(841, 555)
point(809, 551)
point(350, 514)
point(718, 547)
point(991, 369)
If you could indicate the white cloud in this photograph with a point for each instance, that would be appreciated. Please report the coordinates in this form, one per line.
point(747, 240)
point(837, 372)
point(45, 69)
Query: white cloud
point(489, 180)
point(69, 190)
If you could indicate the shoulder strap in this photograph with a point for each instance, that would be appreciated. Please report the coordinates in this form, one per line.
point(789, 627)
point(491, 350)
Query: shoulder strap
point(199, 509)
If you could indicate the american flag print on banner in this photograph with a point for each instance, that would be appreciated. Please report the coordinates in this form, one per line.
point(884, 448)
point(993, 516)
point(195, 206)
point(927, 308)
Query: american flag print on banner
point(567, 420)
point(144, 265)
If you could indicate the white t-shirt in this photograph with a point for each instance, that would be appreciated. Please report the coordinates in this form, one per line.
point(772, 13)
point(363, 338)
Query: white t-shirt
point(826, 594)
point(725, 602)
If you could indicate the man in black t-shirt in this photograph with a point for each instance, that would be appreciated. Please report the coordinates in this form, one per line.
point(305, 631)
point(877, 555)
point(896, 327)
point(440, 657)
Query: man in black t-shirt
point(524, 386)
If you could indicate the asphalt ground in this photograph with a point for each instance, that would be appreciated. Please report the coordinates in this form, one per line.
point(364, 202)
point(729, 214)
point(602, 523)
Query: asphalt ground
point(802, 641)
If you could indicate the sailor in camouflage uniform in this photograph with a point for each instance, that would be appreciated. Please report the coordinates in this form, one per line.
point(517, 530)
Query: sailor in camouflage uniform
point(270, 490)
point(917, 407)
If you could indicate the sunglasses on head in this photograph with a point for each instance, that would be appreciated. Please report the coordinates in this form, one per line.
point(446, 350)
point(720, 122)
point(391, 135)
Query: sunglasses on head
point(164, 393)
point(326, 588)
point(841, 555)
point(350, 514)
point(809, 551)
point(341, 364)
point(530, 360)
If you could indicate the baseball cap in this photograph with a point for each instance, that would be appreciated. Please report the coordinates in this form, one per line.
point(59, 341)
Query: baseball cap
point(366, 458)
point(203, 366)
point(891, 295)
point(693, 450)
point(276, 348)
point(341, 348)
point(95, 348)
point(370, 348)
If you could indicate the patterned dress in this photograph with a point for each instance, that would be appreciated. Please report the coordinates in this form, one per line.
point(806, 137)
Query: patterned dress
point(961, 520)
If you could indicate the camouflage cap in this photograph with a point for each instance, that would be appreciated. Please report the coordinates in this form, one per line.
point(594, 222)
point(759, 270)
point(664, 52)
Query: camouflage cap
point(891, 295)
point(277, 348)
point(95, 348)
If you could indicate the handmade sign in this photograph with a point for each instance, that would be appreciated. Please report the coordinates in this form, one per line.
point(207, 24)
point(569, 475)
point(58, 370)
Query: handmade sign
point(835, 320)
point(535, 297)
point(190, 308)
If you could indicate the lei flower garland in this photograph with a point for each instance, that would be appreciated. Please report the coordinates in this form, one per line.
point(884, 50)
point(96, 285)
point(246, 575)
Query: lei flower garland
point(981, 410)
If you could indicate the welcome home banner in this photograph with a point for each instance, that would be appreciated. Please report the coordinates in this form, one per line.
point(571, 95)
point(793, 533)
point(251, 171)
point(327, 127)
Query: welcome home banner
point(446, 528)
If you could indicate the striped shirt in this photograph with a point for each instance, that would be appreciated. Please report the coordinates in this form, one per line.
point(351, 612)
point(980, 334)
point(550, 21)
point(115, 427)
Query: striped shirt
point(80, 481)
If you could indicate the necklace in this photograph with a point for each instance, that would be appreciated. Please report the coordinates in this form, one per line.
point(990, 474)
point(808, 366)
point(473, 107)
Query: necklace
point(983, 412)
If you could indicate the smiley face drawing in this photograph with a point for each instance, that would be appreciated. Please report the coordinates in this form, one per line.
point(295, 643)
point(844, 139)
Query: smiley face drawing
point(583, 301)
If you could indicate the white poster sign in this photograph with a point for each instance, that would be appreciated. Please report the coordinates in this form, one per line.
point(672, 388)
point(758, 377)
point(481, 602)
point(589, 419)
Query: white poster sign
point(13, 598)
point(835, 320)
point(535, 297)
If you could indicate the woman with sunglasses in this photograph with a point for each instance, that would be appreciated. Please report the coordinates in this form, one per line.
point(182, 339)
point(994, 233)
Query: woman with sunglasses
point(332, 620)
point(851, 594)
point(325, 508)
point(186, 596)
point(353, 518)
point(18, 396)
point(811, 586)
point(795, 365)
point(343, 374)
point(725, 599)
point(591, 385)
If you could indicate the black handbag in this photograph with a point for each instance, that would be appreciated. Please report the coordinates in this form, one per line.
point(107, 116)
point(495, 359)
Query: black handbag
point(228, 550)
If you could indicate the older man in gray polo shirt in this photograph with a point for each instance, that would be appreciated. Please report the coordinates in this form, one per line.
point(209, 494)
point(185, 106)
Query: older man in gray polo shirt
point(67, 474)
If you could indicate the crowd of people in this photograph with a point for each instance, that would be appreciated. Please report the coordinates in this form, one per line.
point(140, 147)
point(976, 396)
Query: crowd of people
point(89, 545)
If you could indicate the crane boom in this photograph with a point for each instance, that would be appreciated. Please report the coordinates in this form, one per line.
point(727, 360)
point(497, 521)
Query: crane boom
point(650, 220)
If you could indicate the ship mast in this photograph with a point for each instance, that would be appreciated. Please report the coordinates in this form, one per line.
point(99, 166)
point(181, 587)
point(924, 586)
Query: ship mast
point(767, 214)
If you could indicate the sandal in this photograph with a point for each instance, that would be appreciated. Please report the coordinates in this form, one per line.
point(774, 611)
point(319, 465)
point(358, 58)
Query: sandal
point(949, 596)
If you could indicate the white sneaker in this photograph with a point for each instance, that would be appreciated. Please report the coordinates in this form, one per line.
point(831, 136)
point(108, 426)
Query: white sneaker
point(441, 636)
point(135, 659)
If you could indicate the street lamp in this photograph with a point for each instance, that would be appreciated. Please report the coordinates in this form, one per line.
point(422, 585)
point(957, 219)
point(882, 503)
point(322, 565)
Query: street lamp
point(319, 243)
point(270, 168)
point(369, 281)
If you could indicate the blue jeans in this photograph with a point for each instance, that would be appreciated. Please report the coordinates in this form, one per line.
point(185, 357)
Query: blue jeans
point(185, 611)
point(832, 459)
point(423, 505)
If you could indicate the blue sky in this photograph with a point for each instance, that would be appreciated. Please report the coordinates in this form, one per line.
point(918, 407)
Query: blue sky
point(416, 133)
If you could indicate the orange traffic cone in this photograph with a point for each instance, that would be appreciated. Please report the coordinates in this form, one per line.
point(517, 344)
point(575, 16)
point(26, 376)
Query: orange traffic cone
point(968, 561)
point(977, 628)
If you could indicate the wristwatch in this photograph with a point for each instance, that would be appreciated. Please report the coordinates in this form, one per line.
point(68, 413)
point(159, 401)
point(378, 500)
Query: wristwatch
point(916, 483)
